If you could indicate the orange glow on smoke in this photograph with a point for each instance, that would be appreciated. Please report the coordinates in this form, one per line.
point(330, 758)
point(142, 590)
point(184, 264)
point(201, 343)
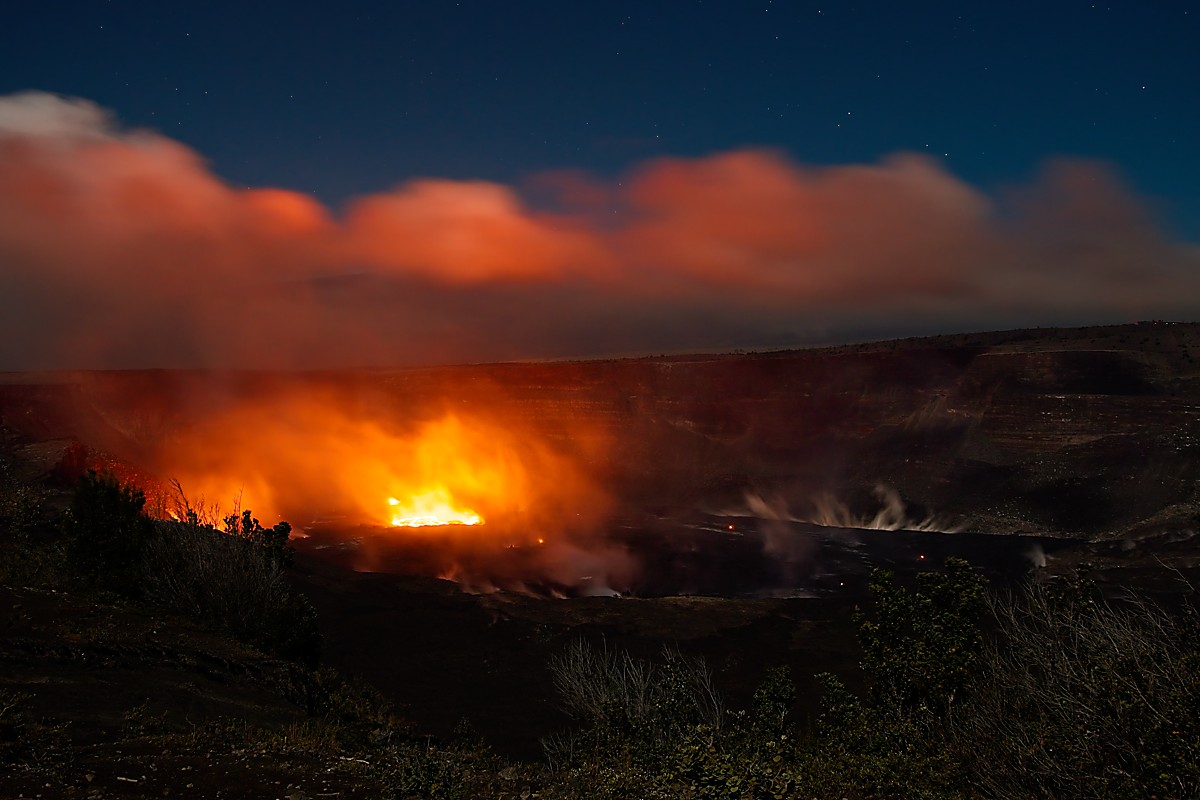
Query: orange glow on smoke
point(307, 455)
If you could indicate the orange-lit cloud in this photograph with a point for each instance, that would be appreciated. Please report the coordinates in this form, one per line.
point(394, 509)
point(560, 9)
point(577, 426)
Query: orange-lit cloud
point(752, 222)
point(121, 248)
point(464, 232)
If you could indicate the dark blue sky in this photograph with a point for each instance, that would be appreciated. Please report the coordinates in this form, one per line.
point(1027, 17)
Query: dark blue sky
point(338, 99)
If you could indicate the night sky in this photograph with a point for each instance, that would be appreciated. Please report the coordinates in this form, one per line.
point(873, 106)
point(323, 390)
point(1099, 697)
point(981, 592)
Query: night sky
point(304, 184)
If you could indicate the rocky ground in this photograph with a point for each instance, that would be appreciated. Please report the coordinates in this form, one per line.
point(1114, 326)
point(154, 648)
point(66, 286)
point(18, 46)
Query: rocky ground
point(99, 699)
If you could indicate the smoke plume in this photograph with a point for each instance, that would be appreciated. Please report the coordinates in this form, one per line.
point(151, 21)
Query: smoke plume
point(120, 248)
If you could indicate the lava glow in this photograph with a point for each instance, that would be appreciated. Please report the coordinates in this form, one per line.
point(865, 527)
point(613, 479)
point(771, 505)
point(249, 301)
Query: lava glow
point(430, 509)
point(321, 456)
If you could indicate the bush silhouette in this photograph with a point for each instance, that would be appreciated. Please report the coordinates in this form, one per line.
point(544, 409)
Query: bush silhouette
point(1082, 698)
point(921, 650)
point(107, 533)
point(234, 579)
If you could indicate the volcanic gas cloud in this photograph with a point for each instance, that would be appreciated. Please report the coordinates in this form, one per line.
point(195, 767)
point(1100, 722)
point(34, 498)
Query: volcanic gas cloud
point(477, 495)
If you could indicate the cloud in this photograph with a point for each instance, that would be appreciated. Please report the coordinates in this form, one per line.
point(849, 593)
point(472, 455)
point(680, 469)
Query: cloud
point(49, 117)
point(121, 248)
point(464, 232)
point(1078, 239)
point(753, 223)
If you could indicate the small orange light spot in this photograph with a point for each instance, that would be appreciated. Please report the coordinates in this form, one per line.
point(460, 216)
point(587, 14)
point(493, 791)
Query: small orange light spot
point(731, 526)
point(541, 541)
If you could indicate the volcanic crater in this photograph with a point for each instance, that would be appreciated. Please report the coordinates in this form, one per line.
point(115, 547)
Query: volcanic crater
point(733, 504)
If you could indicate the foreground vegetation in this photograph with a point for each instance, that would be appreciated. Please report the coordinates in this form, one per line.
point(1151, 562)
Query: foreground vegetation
point(1049, 692)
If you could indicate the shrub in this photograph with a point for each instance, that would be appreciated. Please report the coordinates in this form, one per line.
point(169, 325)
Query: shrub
point(636, 714)
point(273, 540)
point(1081, 698)
point(920, 652)
point(608, 687)
point(233, 581)
point(107, 533)
point(866, 750)
point(1073, 698)
point(921, 649)
point(660, 730)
